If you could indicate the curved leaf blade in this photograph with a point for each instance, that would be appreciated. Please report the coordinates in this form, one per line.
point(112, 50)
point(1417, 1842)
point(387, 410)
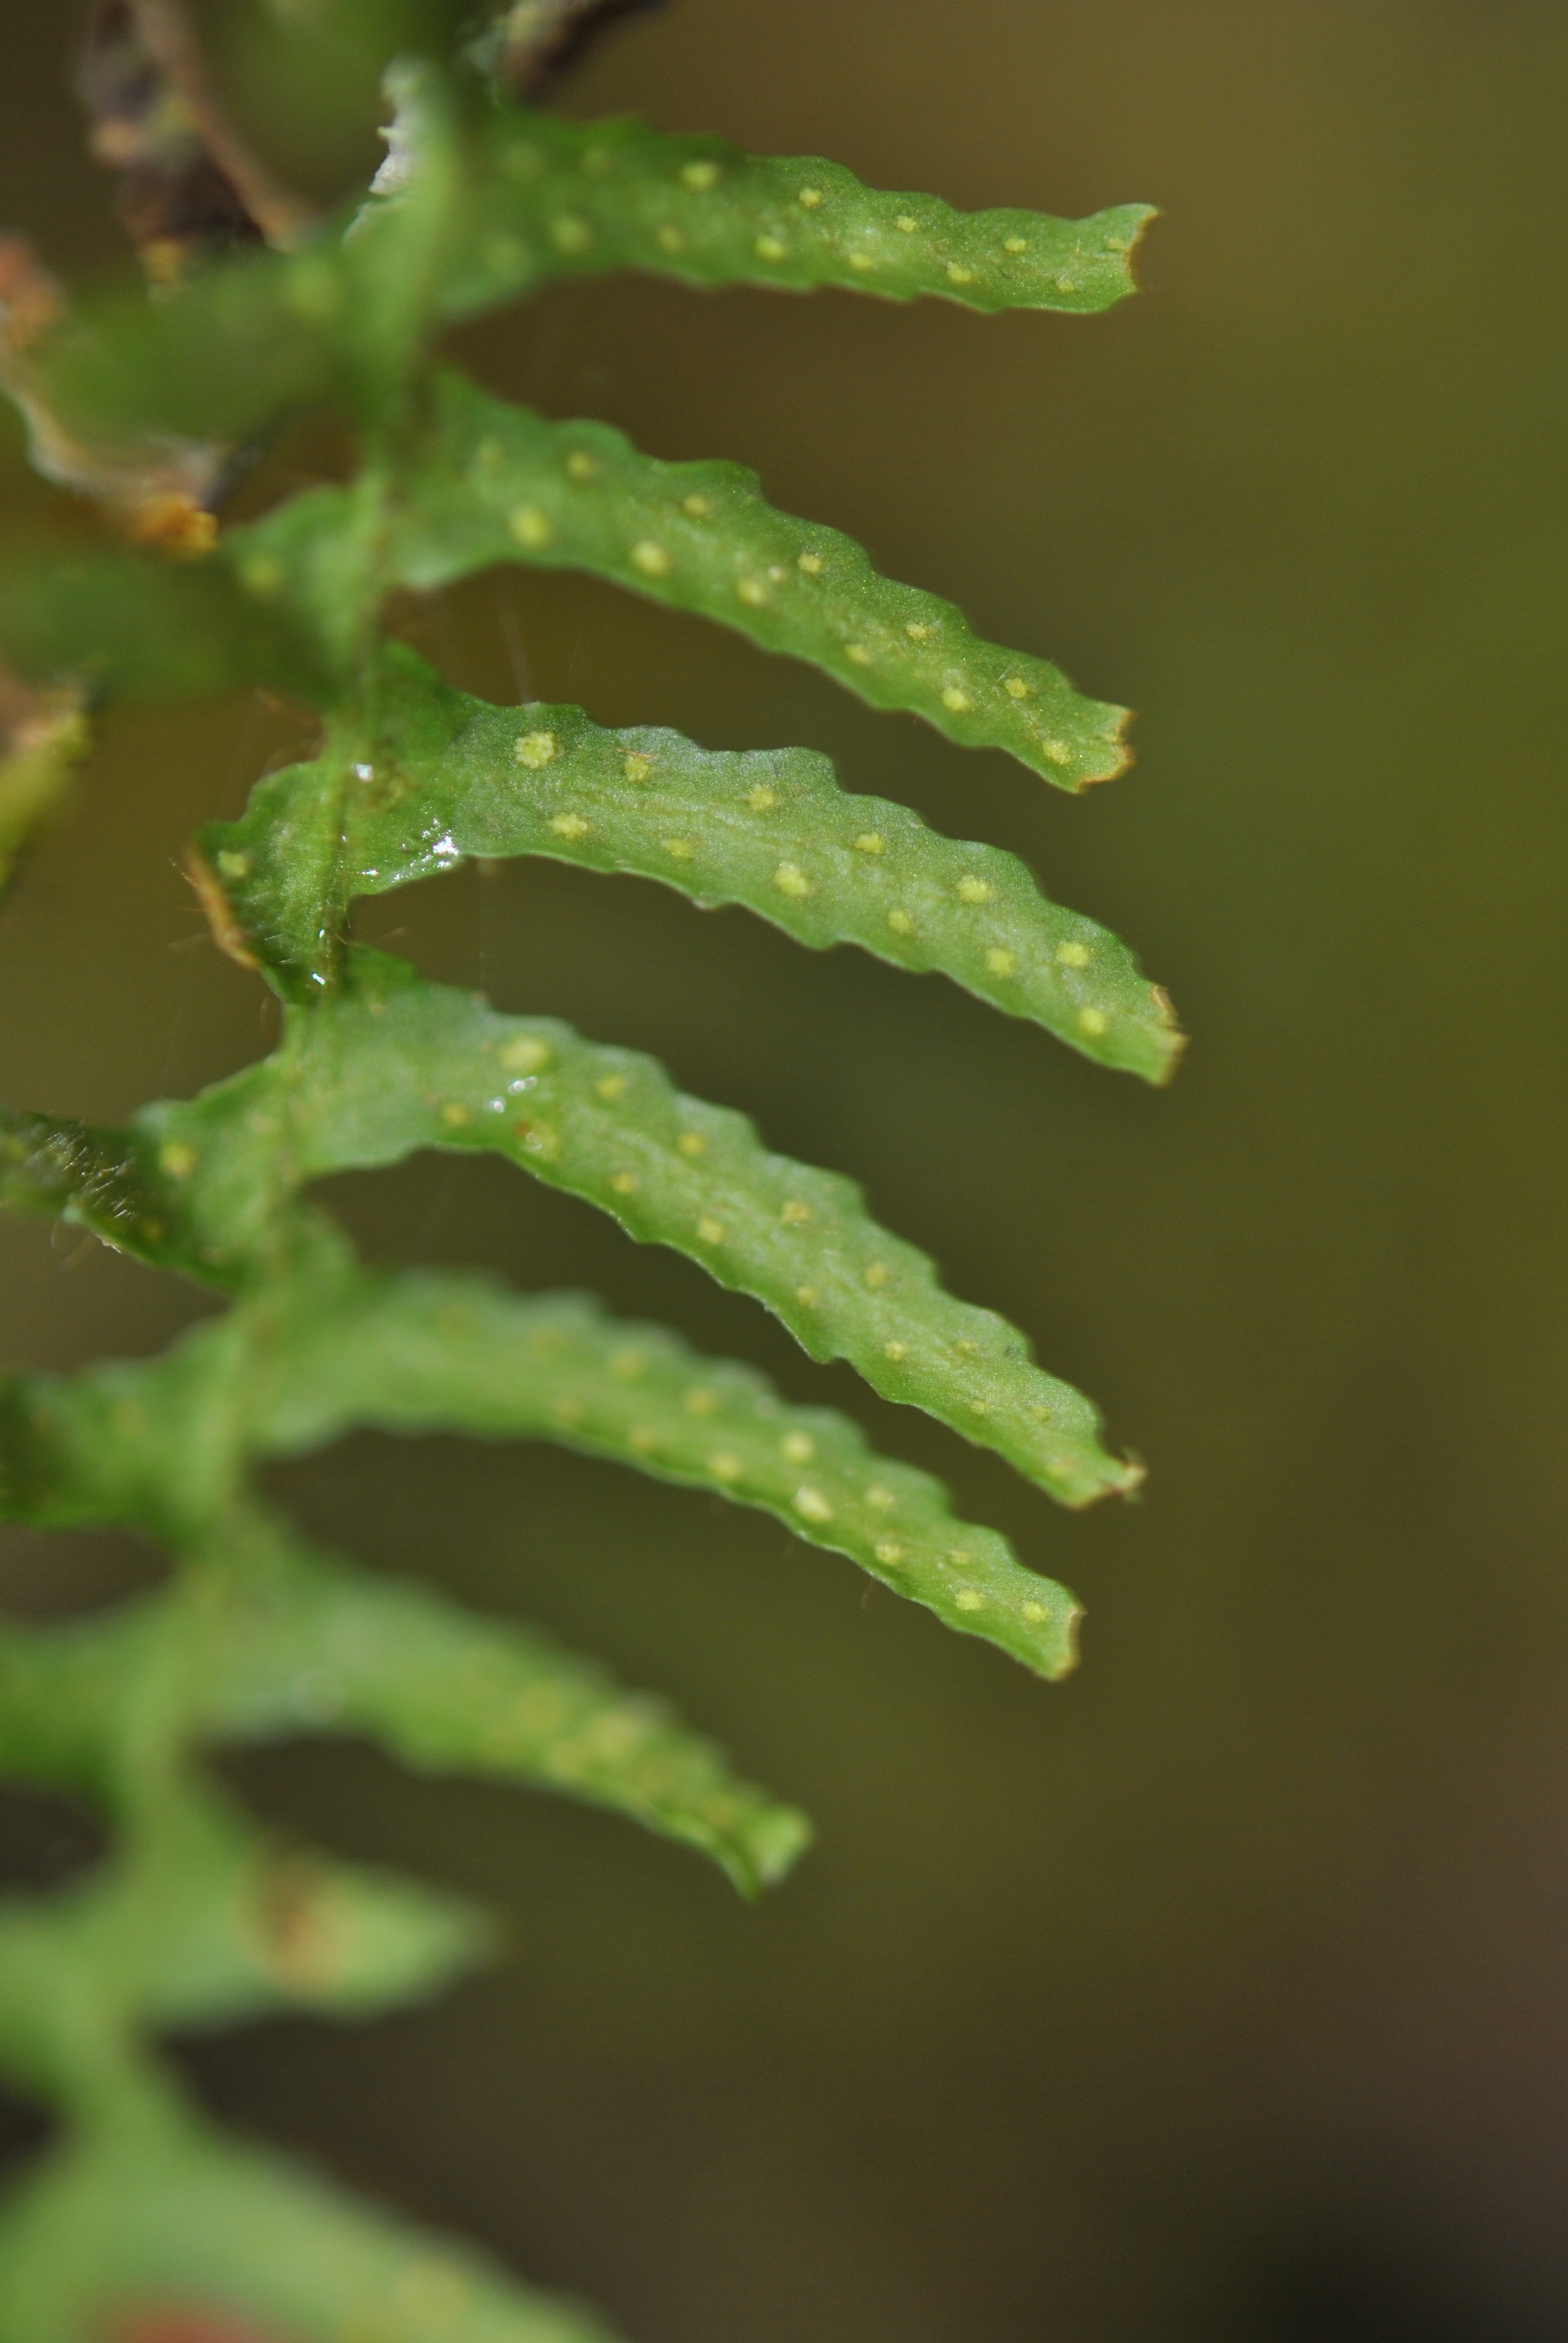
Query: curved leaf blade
point(558, 198)
point(770, 829)
point(160, 2214)
point(425, 1353)
point(339, 1651)
point(394, 1063)
point(420, 1353)
point(201, 1922)
point(498, 483)
point(397, 1063)
point(283, 1640)
point(463, 223)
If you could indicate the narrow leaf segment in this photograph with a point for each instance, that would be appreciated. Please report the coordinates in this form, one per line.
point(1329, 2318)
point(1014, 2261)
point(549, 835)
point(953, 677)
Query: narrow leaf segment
point(425, 1353)
point(454, 776)
point(274, 1638)
point(422, 1354)
point(465, 219)
point(201, 1922)
point(396, 1063)
point(572, 197)
point(164, 2217)
point(498, 483)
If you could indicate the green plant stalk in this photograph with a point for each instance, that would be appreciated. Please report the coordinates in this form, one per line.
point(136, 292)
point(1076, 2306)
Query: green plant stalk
point(198, 1917)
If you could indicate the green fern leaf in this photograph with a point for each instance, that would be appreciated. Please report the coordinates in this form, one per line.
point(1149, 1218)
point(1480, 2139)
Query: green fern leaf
point(162, 2210)
point(132, 626)
point(501, 484)
point(286, 1639)
point(771, 830)
point(198, 1915)
point(398, 1063)
point(102, 1179)
point(461, 223)
point(558, 198)
point(424, 1353)
point(448, 1693)
point(201, 1922)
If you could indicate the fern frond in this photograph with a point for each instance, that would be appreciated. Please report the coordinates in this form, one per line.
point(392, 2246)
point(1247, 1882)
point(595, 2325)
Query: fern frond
point(134, 626)
point(196, 1914)
point(427, 1353)
point(498, 483)
point(280, 1639)
point(200, 1921)
point(454, 777)
point(448, 1693)
point(398, 1063)
point(551, 198)
point(166, 2213)
point(395, 1063)
point(102, 1179)
point(576, 199)
point(463, 220)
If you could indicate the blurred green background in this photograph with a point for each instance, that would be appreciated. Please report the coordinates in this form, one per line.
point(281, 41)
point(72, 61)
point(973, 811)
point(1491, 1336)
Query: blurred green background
point(1222, 1993)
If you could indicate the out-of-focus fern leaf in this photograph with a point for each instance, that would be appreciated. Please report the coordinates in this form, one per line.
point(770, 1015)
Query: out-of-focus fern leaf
point(299, 1642)
point(450, 1693)
point(500, 483)
point(161, 2210)
point(43, 734)
point(189, 187)
point(133, 625)
point(158, 486)
point(423, 1352)
point(106, 1180)
point(200, 1922)
point(340, 318)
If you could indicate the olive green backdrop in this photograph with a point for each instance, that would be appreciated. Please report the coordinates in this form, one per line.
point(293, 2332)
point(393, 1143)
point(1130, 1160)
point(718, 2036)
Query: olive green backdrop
point(1222, 1993)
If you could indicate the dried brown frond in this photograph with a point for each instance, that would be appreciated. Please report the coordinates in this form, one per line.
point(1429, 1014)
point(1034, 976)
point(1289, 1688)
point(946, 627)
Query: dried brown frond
point(189, 186)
